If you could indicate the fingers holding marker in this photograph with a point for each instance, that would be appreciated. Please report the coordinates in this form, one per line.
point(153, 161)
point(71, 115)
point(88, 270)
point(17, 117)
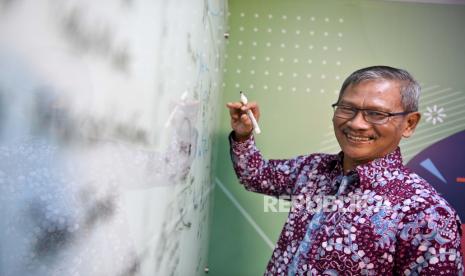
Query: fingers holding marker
point(252, 106)
point(250, 114)
point(246, 120)
point(234, 110)
point(244, 115)
point(234, 105)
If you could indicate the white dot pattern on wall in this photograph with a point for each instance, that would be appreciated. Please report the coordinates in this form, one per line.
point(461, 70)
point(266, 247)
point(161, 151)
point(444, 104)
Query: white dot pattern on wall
point(314, 41)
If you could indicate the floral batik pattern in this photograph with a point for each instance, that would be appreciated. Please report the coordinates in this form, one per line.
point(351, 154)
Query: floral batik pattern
point(379, 219)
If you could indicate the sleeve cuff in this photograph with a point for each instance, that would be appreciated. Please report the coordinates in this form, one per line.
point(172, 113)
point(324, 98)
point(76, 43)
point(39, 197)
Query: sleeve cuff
point(238, 147)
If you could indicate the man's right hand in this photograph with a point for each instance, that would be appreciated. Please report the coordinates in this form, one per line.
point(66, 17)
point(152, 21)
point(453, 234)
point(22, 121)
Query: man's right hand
point(240, 122)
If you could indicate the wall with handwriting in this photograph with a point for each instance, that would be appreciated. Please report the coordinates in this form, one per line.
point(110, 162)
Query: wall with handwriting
point(107, 114)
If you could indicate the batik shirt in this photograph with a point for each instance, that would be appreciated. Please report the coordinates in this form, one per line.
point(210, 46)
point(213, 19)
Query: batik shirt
point(379, 219)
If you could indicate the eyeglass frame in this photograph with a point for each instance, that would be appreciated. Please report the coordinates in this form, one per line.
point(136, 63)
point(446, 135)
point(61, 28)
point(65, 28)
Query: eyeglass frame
point(388, 114)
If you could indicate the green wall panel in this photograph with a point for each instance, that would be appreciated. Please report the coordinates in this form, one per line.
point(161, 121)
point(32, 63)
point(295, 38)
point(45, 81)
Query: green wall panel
point(292, 57)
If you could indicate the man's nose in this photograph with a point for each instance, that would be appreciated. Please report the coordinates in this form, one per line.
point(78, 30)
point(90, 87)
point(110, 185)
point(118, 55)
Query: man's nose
point(358, 121)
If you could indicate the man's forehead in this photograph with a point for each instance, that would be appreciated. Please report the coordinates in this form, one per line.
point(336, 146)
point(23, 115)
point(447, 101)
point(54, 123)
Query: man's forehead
point(379, 92)
point(375, 84)
point(387, 88)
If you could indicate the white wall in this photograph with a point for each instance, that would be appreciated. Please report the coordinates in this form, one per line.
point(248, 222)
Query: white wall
point(107, 116)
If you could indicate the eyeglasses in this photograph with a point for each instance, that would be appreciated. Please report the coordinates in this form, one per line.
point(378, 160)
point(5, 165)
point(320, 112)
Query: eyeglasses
point(371, 116)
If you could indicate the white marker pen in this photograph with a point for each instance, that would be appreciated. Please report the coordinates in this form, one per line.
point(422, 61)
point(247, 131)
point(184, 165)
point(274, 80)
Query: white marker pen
point(256, 128)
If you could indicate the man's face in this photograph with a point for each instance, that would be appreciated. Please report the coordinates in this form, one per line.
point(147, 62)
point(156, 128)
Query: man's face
point(360, 140)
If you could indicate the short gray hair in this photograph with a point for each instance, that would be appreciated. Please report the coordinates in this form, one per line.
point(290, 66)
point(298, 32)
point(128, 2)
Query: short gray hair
point(409, 90)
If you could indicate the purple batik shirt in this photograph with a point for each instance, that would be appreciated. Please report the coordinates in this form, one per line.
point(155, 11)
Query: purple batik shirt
point(379, 219)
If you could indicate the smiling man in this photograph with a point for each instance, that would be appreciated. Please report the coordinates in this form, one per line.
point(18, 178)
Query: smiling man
point(360, 212)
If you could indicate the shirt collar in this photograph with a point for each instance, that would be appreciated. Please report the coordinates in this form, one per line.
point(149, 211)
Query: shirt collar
point(369, 172)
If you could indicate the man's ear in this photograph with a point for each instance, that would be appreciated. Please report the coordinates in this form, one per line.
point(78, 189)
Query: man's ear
point(411, 122)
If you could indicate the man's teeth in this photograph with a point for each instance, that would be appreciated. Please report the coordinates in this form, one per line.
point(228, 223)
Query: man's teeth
point(357, 138)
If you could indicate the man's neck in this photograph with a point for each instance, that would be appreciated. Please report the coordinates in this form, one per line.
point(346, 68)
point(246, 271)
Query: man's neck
point(349, 164)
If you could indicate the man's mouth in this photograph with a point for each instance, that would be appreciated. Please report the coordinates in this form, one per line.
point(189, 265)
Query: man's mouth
point(359, 139)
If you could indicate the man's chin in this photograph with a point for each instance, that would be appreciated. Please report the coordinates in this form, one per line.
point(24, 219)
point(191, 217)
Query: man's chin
point(357, 155)
point(358, 148)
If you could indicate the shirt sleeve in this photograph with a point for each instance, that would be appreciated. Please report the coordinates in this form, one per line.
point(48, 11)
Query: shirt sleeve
point(429, 243)
point(270, 177)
